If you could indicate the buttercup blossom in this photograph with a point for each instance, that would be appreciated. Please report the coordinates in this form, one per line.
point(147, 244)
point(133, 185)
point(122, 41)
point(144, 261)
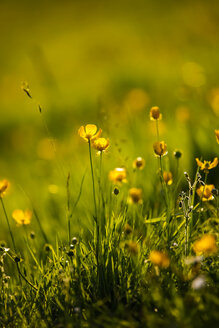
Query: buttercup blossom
point(160, 148)
point(168, 177)
point(205, 192)
point(159, 259)
point(22, 217)
point(217, 135)
point(139, 163)
point(135, 196)
point(206, 245)
point(4, 184)
point(89, 132)
point(207, 165)
point(101, 144)
point(155, 113)
point(118, 175)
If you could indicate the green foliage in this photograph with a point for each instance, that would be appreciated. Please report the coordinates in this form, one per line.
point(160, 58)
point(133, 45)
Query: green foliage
point(86, 259)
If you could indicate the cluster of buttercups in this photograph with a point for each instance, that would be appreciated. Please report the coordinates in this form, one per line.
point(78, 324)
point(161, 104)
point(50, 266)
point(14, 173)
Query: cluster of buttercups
point(207, 244)
point(91, 134)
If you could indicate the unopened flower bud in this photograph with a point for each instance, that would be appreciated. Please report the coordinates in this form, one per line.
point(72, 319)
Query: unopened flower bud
point(116, 191)
point(74, 240)
point(177, 154)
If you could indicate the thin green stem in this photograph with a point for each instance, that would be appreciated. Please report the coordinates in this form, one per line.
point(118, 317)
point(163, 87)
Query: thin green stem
point(206, 176)
point(157, 127)
point(101, 200)
point(166, 197)
point(40, 226)
point(68, 208)
point(92, 175)
point(25, 279)
point(95, 204)
point(100, 173)
point(163, 184)
point(35, 213)
point(9, 227)
point(217, 206)
point(193, 201)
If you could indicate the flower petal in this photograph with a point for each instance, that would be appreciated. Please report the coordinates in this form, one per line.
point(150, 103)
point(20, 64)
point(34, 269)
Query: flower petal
point(214, 163)
point(199, 163)
point(81, 132)
point(90, 130)
point(97, 134)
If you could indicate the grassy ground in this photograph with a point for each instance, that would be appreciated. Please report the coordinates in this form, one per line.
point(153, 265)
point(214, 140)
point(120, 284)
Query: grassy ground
point(95, 252)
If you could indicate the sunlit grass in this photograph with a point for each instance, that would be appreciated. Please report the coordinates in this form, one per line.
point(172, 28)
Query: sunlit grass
point(109, 164)
point(124, 249)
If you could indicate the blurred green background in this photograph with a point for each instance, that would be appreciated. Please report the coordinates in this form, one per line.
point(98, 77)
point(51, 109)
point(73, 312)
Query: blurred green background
point(102, 62)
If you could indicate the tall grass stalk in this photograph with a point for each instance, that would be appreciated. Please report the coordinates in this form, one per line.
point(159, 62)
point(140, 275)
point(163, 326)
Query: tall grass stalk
point(205, 181)
point(93, 182)
point(9, 226)
point(157, 128)
point(68, 208)
point(95, 204)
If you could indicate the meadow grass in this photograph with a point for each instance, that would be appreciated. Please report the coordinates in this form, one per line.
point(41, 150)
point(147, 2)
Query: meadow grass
point(141, 250)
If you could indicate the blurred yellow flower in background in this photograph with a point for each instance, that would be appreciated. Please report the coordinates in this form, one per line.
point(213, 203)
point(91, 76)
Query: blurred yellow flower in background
point(101, 144)
point(46, 148)
point(205, 192)
point(137, 99)
point(159, 259)
point(118, 175)
point(155, 113)
point(207, 165)
point(135, 196)
point(205, 245)
point(214, 100)
point(160, 148)
point(22, 217)
point(133, 247)
point(89, 132)
point(183, 114)
point(168, 177)
point(4, 184)
point(139, 163)
point(217, 135)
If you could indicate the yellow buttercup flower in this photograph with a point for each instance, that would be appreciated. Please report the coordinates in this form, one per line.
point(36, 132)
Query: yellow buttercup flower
point(155, 113)
point(205, 245)
point(160, 148)
point(159, 259)
point(22, 217)
point(168, 177)
point(135, 196)
point(217, 135)
point(89, 132)
point(118, 175)
point(139, 163)
point(101, 144)
point(205, 192)
point(207, 165)
point(4, 184)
